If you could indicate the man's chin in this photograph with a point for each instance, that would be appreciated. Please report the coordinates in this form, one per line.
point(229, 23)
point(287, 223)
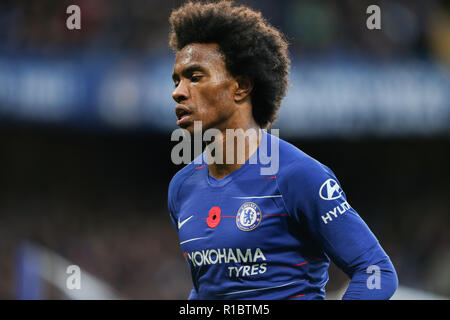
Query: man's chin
point(192, 127)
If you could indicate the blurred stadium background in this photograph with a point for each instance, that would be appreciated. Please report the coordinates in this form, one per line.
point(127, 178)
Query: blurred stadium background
point(86, 117)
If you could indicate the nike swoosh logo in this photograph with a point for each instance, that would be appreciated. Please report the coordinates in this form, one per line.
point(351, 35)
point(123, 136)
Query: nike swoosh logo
point(180, 224)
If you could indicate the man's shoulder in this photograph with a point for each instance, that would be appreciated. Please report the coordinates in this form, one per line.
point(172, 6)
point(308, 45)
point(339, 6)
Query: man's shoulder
point(184, 173)
point(297, 164)
point(294, 158)
point(301, 178)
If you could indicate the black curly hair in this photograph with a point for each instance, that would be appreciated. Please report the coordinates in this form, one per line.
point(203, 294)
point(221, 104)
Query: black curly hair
point(251, 46)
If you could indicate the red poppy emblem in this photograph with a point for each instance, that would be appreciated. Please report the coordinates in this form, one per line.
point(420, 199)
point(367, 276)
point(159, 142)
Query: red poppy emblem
point(213, 219)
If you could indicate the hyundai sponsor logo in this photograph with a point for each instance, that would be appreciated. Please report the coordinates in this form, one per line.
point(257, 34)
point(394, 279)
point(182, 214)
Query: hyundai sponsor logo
point(330, 190)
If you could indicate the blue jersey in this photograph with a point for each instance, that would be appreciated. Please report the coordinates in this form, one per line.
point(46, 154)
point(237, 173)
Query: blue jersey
point(253, 236)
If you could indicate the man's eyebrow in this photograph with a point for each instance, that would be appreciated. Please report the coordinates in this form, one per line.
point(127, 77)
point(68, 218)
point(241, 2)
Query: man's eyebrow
point(188, 70)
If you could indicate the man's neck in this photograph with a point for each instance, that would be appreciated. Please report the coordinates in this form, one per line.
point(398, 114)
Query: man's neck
point(238, 146)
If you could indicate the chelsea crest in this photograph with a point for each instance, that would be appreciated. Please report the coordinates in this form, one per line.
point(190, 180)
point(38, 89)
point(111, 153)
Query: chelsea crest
point(248, 216)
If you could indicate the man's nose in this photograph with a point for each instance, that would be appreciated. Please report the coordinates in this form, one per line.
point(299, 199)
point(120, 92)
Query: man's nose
point(181, 92)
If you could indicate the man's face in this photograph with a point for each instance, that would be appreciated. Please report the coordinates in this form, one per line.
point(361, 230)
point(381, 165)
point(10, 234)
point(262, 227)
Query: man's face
point(204, 89)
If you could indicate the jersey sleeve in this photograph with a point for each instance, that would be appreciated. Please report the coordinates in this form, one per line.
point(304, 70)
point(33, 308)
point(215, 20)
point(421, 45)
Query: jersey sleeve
point(314, 196)
point(172, 201)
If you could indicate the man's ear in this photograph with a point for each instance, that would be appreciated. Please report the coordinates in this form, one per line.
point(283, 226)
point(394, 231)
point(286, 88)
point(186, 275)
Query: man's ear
point(244, 88)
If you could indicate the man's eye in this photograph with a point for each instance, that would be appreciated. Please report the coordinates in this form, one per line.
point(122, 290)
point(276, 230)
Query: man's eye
point(175, 84)
point(195, 78)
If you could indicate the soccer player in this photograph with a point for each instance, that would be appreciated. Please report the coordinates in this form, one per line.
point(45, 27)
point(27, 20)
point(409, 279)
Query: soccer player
point(246, 235)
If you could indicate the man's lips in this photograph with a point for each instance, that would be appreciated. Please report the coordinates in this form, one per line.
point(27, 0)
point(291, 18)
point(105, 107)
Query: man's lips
point(183, 113)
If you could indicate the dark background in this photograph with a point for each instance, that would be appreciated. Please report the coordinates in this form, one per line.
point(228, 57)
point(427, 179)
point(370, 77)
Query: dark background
point(96, 194)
